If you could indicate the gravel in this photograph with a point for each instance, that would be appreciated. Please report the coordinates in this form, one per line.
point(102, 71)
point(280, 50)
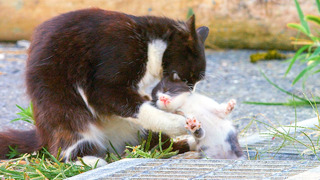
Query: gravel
point(229, 75)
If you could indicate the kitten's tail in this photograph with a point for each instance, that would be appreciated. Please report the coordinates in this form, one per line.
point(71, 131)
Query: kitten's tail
point(23, 141)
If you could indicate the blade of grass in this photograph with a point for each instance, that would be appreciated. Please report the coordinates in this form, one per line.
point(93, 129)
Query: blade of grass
point(301, 50)
point(148, 141)
point(114, 149)
point(312, 18)
point(282, 90)
point(298, 27)
point(297, 103)
point(304, 71)
point(301, 17)
point(313, 147)
point(160, 142)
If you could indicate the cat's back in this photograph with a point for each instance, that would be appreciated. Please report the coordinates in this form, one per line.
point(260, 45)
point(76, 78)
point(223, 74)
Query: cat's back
point(73, 48)
point(75, 33)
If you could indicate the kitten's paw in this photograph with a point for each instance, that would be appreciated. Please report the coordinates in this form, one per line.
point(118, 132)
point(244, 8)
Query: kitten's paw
point(165, 99)
point(193, 124)
point(92, 161)
point(230, 106)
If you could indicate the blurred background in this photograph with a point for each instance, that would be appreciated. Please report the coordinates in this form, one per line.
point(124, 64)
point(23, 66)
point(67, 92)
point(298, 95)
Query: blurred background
point(250, 24)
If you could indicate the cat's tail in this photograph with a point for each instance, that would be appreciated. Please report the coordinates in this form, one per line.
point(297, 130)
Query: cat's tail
point(23, 141)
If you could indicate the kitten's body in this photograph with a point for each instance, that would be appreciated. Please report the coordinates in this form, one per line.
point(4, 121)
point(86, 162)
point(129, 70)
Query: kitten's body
point(86, 75)
point(217, 137)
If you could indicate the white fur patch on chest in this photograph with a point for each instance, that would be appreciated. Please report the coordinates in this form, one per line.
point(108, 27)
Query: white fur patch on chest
point(154, 69)
point(115, 130)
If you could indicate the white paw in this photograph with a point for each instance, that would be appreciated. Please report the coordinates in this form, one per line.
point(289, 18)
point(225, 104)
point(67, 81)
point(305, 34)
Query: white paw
point(230, 106)
point(165, 100)
point(92, 161)
point(193, 124)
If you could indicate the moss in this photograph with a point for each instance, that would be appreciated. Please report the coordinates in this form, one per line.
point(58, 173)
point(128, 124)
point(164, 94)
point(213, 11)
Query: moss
point(272, 54)
point(246, 34)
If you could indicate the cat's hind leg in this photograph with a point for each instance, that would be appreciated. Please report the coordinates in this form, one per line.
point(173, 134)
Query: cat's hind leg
point(230, 106)
point(89, 151)
point(223, 110)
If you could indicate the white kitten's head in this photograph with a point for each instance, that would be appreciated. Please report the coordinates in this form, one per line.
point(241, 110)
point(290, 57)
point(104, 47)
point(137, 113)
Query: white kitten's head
point(170, 93)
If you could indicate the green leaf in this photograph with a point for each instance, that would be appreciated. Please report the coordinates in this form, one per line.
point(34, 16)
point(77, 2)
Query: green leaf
point(303, 72)
point(13, 152)
point(317, 71)
point(301, 50)
point(276, 103)
point(299, 27)
point(25, 114)
point(315, 19)
point(279, 88)
point(318, 5)
point(114, 157)
point(143, 154)
point(316, 53)
point(301, 16)
point(160, 142)
point(148, 141)
point(114, 149)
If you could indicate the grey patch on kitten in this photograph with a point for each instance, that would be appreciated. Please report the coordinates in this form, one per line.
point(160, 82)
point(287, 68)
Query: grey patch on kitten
point(199, 133)
point(232, 139)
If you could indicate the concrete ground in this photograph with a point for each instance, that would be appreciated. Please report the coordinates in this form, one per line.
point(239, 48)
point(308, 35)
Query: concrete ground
point(229, 75)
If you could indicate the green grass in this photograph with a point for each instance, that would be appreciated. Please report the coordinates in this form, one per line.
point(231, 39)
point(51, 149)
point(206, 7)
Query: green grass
point(143, 150)
point(25, 114)
point(43, 165)
point(311, 44)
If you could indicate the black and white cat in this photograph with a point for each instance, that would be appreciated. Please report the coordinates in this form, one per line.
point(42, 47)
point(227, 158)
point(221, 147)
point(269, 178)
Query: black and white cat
point(86, 75)
point(215, 135)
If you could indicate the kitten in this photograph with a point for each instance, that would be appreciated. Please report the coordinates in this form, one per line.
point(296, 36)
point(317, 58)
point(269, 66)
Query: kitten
point(86, 75)
point(215, 135)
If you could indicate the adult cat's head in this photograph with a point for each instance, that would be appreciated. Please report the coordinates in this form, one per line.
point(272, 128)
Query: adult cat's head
point(185, 53)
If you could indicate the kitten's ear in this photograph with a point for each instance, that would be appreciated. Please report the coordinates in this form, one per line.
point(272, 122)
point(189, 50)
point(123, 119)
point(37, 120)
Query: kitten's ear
point(174, 76)
point(203, 32)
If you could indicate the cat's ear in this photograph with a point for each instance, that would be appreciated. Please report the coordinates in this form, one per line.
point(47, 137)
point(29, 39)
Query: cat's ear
point(174, 76)
point(192, 26)
point(203, 32)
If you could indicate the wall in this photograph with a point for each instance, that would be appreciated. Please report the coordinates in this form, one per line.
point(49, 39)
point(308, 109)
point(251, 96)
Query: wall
point(257, 24)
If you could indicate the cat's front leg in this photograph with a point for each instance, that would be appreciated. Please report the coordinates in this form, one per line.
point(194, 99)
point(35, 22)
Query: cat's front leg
point(128, 104)
point(152, 118)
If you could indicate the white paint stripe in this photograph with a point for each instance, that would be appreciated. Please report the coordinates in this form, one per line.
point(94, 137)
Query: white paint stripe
point(257, 137)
